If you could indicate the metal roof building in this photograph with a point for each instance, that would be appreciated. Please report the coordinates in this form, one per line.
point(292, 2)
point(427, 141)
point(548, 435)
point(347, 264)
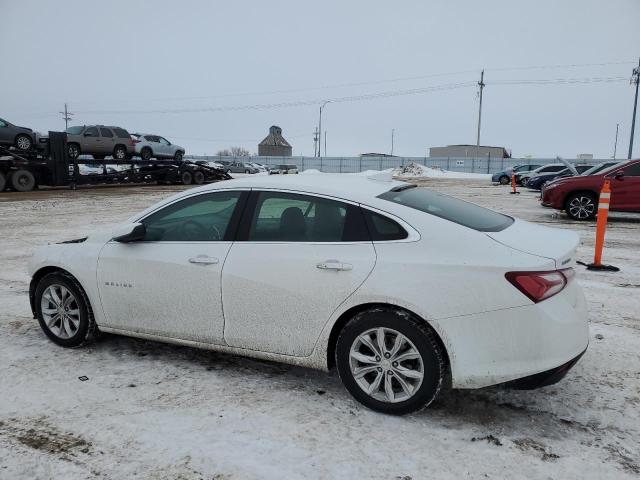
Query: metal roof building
point(274, 144)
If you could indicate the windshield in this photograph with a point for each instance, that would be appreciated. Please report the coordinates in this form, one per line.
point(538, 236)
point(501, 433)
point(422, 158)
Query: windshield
point(449, 208)
point(74, 130)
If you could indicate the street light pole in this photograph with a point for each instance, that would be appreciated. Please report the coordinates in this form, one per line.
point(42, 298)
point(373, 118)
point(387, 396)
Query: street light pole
point(635, 78)
point(320, 124)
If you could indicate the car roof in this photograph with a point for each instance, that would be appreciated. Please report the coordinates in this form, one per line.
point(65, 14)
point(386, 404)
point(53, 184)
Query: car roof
point(352, 187)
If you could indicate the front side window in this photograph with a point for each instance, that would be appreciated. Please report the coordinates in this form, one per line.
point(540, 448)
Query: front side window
point(449, 208)
point(91, 132)
point(203, 218)
point(163, 141)
point(287, 217)
point(105, 132)
point(632, 170)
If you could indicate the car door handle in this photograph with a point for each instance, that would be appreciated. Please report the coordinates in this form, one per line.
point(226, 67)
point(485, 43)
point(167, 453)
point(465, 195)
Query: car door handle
point(334, 265)
point(204, 260)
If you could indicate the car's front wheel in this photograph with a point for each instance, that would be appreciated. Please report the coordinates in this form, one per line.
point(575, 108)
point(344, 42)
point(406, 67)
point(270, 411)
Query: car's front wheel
point(390, 361)
point(178, 156)
point(24, 142)
point(581, 206)
point(63, 310)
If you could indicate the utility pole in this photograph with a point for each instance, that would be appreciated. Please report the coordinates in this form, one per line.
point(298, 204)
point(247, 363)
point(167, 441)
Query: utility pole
point(325, 143)
point(393, 131)
point(481, 86)
point(315, 143)
point(615, 145)
point(320, 125)
point(635, 78)
point(66, 116)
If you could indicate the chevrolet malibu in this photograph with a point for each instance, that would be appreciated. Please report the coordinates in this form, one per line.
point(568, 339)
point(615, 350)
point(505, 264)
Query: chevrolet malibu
point(401, 289)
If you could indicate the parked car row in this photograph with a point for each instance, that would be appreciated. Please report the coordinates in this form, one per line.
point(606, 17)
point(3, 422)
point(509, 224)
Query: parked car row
point(576, 190)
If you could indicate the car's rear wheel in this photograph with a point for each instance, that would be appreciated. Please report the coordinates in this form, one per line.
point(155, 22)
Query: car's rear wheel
point(120, 153)
point(146, 153)
point(504, 180)
point(581, 206)
point(198, 177)
point(63, 310)
point(23, 181)
point(73, 150)
point(23, 142)
point(186, 178)
point(390, 361)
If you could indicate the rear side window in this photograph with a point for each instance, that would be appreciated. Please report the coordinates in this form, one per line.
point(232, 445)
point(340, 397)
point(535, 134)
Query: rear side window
point(383, 228)
point(121, 133)
point(288, 217)
point(449, 208)
point(553, 168)
point(105, 132)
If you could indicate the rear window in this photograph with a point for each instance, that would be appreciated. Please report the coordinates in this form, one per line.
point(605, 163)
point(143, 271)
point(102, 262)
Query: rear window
point(449, 208)
point(74, 130)
point(121, 133)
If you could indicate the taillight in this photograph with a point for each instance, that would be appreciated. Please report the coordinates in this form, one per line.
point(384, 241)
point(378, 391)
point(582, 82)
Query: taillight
point(539, 286)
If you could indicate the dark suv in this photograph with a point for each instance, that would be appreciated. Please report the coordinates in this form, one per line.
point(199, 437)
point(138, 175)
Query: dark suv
point(100, 141)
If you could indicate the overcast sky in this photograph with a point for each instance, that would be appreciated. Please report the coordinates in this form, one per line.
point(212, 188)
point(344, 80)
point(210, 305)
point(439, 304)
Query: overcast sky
point(190, 70)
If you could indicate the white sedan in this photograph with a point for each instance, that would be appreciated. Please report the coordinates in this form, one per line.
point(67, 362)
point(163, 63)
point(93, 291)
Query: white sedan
point(399, 288)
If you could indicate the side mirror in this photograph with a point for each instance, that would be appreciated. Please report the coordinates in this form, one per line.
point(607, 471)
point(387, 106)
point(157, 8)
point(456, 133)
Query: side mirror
point(133, 232)
point(619, 176)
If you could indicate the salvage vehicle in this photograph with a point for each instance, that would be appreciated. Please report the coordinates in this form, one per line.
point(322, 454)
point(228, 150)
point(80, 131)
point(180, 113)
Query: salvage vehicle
point(22, 138)
point(237, 166)
point(373, 277)
point(578, 196)
point(148, 146)
point(504, 177)
point(283, 169)
point(99, 141)
point(537, 182)
point(545, 169)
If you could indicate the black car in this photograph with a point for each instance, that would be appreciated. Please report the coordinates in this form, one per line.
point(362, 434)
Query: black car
point(537, 182)
point(22, 138)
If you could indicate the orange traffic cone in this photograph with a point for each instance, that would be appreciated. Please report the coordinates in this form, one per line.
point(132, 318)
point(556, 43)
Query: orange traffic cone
point(513, 183)
point(601, 228)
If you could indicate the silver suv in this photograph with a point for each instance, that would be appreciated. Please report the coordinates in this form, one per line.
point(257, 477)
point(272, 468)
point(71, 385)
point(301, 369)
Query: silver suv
point(100, 141)
point(148, 145)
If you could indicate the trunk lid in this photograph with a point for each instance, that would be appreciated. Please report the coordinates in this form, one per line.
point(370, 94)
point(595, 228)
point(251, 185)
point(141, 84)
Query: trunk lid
point(553, 243)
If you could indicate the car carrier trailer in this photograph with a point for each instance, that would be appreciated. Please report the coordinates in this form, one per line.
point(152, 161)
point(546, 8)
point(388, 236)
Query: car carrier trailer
point(49, 164)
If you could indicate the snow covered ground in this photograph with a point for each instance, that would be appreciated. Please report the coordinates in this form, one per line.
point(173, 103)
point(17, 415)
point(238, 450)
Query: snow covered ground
point(155, 411)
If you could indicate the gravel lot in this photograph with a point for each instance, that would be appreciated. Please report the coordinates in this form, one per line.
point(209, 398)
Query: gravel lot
point(151, 410)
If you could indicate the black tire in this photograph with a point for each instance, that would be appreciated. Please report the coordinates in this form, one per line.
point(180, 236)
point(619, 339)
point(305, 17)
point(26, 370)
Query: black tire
point(23, 181)
point(186, 178)
point(504, 180)
point(120, 153)
point(87, 329)
point(228, 172)
point(146, 153)
point(198, 177)
point(422, 339)
point(178, 156)
point(3, 182)
point(247, 171)
point(581, 206)
point(73, 150)
point(23, 142)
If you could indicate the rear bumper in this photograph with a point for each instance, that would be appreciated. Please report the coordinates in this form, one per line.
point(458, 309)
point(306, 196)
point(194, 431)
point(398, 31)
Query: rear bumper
point(501, 346)
point(545, 378)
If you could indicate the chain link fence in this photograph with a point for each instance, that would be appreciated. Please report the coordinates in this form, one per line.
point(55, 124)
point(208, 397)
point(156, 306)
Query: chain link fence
point(360, 164)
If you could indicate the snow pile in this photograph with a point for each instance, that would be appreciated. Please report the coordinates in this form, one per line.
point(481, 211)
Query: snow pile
point(415, 170)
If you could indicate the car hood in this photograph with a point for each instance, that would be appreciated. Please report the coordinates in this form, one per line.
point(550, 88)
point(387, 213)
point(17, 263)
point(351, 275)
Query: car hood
point(555, 244)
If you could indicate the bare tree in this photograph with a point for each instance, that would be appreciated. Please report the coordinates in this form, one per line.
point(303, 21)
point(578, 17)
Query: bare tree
point(234, 152)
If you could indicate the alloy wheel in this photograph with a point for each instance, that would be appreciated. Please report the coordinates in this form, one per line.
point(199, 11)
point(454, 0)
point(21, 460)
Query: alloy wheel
point(23, 143)
point(386, 365)
point(60, 311)
point(582, 207)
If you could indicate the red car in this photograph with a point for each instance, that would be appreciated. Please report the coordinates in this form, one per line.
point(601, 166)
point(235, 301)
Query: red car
point(578, 195)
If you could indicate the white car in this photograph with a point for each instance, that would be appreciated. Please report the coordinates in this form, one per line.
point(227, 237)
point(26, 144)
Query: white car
point(148, 146)
point(398, 287)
